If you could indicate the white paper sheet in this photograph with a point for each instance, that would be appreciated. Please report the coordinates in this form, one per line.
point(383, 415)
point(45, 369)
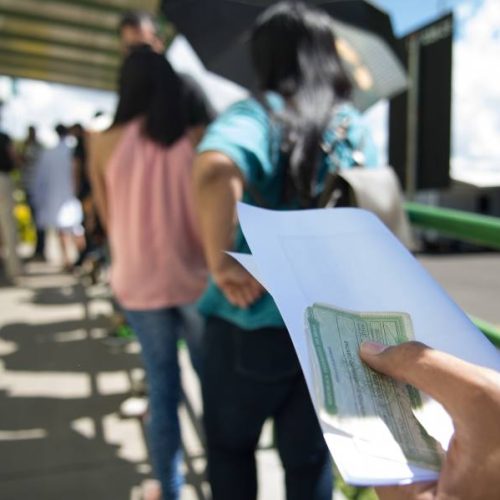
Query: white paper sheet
point(347, 257)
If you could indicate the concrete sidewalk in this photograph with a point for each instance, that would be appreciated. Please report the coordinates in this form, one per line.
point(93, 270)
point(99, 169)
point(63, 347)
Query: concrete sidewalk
point(60, 388)
point(62, 382)
point(61, 385)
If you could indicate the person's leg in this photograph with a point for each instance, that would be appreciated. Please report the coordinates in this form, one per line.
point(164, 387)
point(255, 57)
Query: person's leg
point(157, 331)
point(302, 448)
point(40, 243)
point(40, 233)
point(8, 228)
point(193, 325)
point(235, 408)
point(64, 244)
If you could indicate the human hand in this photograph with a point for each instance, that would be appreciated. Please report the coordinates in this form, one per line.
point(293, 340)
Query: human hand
point(237, 284)
point(471, 395)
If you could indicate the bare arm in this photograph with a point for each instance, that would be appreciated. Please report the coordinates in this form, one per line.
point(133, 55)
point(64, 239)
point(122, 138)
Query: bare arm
point(218, 185)
point(97, 180)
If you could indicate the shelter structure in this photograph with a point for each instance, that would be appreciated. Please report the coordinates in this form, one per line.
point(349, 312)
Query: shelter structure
point(73, 42)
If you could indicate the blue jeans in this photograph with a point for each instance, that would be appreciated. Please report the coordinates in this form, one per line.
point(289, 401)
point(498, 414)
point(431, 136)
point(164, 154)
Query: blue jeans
point(249, 376)
point(158, 331)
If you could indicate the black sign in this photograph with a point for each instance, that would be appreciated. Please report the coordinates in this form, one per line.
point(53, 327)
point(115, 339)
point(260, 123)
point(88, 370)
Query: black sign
point(420, 119)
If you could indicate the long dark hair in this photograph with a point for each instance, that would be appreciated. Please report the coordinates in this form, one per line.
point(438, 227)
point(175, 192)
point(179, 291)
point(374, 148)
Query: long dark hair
point(149, 87)
point(294, 54)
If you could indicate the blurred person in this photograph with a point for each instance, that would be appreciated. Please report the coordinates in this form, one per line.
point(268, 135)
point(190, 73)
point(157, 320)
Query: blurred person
point(82, 182)
point(270, 151)
point(471, 395)
point(30, 155)
point(141, 177)
point(93, 231)
point(56, 206)
point(140, 28)
point(8, 225)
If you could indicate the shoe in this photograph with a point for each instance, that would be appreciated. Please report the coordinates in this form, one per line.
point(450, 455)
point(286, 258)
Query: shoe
point(151, 490)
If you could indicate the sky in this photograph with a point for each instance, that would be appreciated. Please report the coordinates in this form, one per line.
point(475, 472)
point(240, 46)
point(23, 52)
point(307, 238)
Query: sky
point(45, 105)
point(476, 87)
point(475, 80)
point(408, 15)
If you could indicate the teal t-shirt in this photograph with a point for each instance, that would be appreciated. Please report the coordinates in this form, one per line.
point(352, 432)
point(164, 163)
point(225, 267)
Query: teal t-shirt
point(246, 134)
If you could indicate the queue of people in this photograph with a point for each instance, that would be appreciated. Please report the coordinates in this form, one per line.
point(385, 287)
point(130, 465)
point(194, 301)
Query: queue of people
point(165, 179)
point(57, 191)
point(170, 221)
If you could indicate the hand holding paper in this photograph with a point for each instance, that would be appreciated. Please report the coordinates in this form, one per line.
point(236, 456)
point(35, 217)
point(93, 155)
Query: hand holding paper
point(375, 410)
point(347, 258)
point(472, 396)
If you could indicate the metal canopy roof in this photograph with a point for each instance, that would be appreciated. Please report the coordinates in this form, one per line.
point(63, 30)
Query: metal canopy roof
point(64, 41)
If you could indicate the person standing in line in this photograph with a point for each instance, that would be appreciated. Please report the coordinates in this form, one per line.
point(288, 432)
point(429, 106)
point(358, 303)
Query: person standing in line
point(30, 155)
point(141, 179)
point(56, 206)
point(140, 28)
point(8, 228)
point(273, 150)
point(93, 234)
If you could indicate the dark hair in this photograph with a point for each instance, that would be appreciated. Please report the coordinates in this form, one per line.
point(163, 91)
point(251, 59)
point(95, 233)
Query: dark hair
point(135, 18)
point(149, 87)
point(61, 130)
point(294, 54)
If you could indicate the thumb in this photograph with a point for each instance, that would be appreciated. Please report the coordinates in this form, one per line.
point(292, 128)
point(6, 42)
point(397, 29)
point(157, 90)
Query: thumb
point(445, 378)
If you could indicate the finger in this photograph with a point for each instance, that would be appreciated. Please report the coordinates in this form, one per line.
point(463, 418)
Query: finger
point(258, 289)
point(255, 292)
point(231, 294)
point(246, 296)
point(239, 296)
point(444, 377)
point(417, 491)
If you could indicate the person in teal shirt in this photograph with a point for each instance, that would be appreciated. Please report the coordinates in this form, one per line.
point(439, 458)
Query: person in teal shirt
point(244, 134)
point(272, 150)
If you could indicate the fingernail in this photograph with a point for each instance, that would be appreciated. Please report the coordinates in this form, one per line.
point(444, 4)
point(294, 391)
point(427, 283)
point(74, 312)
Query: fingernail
point(372, 348)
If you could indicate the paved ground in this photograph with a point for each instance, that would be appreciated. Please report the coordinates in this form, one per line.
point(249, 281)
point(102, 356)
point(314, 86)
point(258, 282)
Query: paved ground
point(472, 280)
point(61, 384)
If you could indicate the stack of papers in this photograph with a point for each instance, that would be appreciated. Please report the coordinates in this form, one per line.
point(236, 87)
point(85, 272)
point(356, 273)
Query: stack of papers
point(339, 277)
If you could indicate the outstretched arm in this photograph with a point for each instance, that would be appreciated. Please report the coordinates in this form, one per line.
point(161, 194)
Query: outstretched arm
point(218, 185)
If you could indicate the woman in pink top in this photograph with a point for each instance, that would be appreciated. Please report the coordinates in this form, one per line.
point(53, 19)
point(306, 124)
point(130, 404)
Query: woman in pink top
point(141, 175)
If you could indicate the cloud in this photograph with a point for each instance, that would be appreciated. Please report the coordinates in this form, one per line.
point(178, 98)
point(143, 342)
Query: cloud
point(45, 104)
point(476, 87)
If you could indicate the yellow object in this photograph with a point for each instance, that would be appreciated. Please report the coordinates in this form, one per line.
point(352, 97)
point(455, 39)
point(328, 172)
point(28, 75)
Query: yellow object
point(25, 223)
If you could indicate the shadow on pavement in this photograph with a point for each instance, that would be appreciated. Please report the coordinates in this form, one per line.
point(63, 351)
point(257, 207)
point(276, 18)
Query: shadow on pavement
point(64, 346)
point(59, 436)
point(61, 385)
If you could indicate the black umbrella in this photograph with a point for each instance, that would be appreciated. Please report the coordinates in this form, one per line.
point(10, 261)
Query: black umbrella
point(219, 31)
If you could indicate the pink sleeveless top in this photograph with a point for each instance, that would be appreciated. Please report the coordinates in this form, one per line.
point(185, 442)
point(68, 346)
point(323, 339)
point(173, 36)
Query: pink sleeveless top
point(156, 252)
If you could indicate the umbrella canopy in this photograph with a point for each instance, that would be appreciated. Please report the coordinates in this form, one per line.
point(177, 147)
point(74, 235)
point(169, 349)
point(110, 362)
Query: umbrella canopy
point(219, 32)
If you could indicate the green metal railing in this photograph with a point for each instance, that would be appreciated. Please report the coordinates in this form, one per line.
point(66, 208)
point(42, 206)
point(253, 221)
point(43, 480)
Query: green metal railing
point(465, 226)
point(491, 331)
